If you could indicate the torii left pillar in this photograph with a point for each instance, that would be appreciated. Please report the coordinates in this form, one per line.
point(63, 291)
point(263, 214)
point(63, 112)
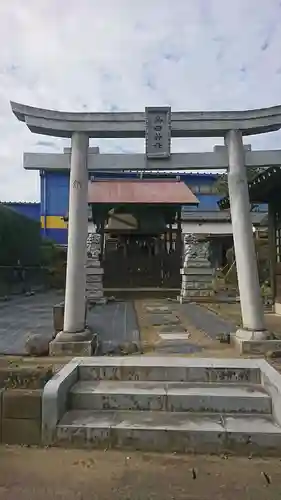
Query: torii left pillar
point(75, 339)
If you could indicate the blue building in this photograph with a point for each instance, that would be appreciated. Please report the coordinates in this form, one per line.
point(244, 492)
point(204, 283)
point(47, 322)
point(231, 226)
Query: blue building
point(54, 187)
point(206, 218)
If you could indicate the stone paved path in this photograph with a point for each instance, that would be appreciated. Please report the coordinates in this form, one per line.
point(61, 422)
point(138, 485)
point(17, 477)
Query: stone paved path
point(115, 323)
point(164, 316)
point(181, 328)
point(21, 316)
point(206, 320)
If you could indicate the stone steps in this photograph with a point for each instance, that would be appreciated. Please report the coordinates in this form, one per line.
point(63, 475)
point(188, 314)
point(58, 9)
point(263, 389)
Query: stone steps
point(170, 369)
point(169, 431)
point(165, 404)
point(169, 396)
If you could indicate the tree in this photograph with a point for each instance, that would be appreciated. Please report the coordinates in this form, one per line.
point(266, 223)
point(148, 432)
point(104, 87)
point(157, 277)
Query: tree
point(20, 239)
point(221, 186)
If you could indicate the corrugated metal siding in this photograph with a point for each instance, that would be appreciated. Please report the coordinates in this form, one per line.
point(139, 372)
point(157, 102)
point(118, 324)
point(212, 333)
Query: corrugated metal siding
point(57, 190)
point(56, 187)
point(57, 196)
point(207, 202)
point(57, 193)
point(58, 236)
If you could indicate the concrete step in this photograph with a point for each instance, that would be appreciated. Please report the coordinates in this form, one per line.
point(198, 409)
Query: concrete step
point(169, 368)
point(169, 396)
point(169, 431)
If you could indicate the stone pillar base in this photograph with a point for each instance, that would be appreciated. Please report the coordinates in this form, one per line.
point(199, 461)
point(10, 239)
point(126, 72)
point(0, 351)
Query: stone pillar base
point(73, 344)
point(257, 347)
point(196, 292)
point(251, 341)
point(197, 280)
point(245, 334)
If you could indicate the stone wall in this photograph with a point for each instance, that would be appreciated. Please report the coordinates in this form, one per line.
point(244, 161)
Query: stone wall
point(20, 403)
point(94, 271)
point(197, 273)
point(20, 416)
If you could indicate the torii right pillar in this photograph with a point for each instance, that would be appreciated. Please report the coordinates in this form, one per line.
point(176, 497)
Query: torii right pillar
point(246, 261)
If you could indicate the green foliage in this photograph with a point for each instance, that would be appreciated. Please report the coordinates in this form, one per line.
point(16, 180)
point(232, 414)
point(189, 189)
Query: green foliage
point(48, 253)
point(262, 252)
point(221, 185)
point(54, 259)
point(19, 239)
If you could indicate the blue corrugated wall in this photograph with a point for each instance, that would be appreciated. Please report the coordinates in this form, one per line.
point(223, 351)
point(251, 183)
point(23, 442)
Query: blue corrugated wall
point(54, 187)
point(54, 198)
point(53, 205)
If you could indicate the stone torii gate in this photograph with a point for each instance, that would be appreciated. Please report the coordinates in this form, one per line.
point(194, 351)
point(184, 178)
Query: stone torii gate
point(157, 125)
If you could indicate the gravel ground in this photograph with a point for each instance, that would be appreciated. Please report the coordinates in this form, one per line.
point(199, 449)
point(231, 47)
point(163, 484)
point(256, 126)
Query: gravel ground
point(55, 474)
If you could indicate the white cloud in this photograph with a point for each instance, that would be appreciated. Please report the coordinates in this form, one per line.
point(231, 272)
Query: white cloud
point(105, 54)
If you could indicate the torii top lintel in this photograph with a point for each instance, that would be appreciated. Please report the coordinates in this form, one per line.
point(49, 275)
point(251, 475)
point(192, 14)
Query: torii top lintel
point(125, 124)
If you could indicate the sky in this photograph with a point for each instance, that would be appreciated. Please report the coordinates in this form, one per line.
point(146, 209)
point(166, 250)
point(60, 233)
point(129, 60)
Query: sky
point(123, 55)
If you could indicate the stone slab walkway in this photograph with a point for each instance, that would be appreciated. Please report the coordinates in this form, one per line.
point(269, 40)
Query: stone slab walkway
point(115, 323)
point(173, 336)
point(25, 315)
point(21, 316)
point(206, 320)
point(191, 328)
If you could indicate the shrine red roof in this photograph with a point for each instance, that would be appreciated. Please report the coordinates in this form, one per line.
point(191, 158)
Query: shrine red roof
point(162, 192)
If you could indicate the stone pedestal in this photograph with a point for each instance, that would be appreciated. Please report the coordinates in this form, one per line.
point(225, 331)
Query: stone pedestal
point(94, 271)
point(77, 344)
point(197, 279)
point(197, 274)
